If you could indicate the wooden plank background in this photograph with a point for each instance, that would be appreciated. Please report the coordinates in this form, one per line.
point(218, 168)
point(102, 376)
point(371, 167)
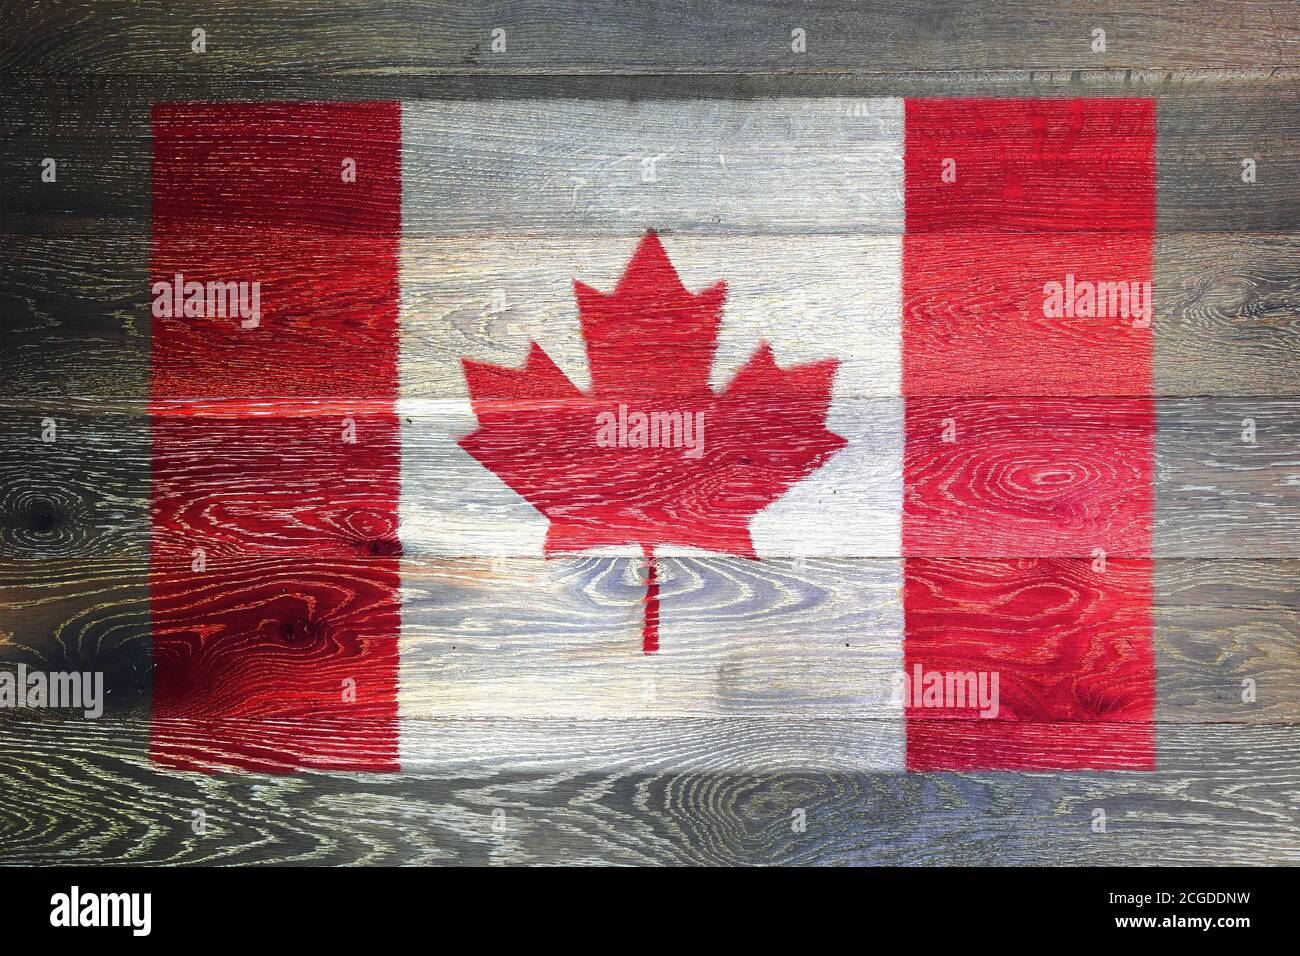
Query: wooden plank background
point(680, 780)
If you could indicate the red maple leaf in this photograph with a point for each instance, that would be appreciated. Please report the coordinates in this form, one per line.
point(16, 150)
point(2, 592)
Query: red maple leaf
point(704, 464)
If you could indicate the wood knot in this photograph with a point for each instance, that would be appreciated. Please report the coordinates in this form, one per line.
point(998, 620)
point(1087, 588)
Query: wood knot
point(297, 630)
point(42, 516)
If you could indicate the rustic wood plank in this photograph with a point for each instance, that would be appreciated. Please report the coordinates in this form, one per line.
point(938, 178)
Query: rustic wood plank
point(520, 637)
point(102, 152)
point(1228, 664)
point(1210, 582)
point(1187, 83)
point(562, 637)
point(255, 480)
point(76, 311)
point(652, 790)
point(1217, 495)
point(575, 166)
point(1219, 624)
point(1199, 166)
point(331, 37)
point(1205, 128)
point(1224, 794)
point(244, 642)
point(452, 505)
point(721, 166)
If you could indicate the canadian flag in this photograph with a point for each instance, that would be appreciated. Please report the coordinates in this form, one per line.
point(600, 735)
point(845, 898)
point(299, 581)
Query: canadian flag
point(540, 428)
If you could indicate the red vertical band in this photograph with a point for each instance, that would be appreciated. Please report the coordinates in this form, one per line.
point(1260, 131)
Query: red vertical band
point(1027, 374)
point(276, 449)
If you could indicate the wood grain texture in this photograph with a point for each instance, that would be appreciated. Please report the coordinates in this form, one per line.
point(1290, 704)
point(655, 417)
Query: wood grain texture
point(1029, 477)
point(84, 793)
point(334, 38)
point(1068, 644)
point(531, 638)
point(978, 319)
point(1204, 129)
point(1203, 442)
point(1251, 490)
point(1217, 496)
point(66, 615)
point(1227, 314)
point(240, 483)
point(1208, 582)
point(75, 317)
point(1191, 85)
point(74, 480)
point(1205, 656)
point(452, 505)
point(563, 635)
point(487, 300)
point(76, 312)
point(305, 645)
point(656, 789)
point(1219, 624)
point(255, 191)
point(1071, 645)
point(784, 164)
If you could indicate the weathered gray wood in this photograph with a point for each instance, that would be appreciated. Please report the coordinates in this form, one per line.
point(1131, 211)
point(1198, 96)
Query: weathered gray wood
point(1219, 624)
point(74, 479)
point(74, 312)
point(83, 792)
point(1218, 495)
point(332, 37)
point(84, 616)
point(1227, 314)
point(1236, 665)
point(75, 317)
point(102, 153)
point(1200, 148)
point(817, 637)
point(1209, 582)
point(1190, 85)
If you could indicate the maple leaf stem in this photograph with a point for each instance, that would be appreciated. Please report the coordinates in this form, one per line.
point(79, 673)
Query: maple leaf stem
point(650, 635)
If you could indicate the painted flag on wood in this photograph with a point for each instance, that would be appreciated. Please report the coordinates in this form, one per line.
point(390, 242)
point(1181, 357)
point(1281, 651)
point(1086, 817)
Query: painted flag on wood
point(543, 427)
